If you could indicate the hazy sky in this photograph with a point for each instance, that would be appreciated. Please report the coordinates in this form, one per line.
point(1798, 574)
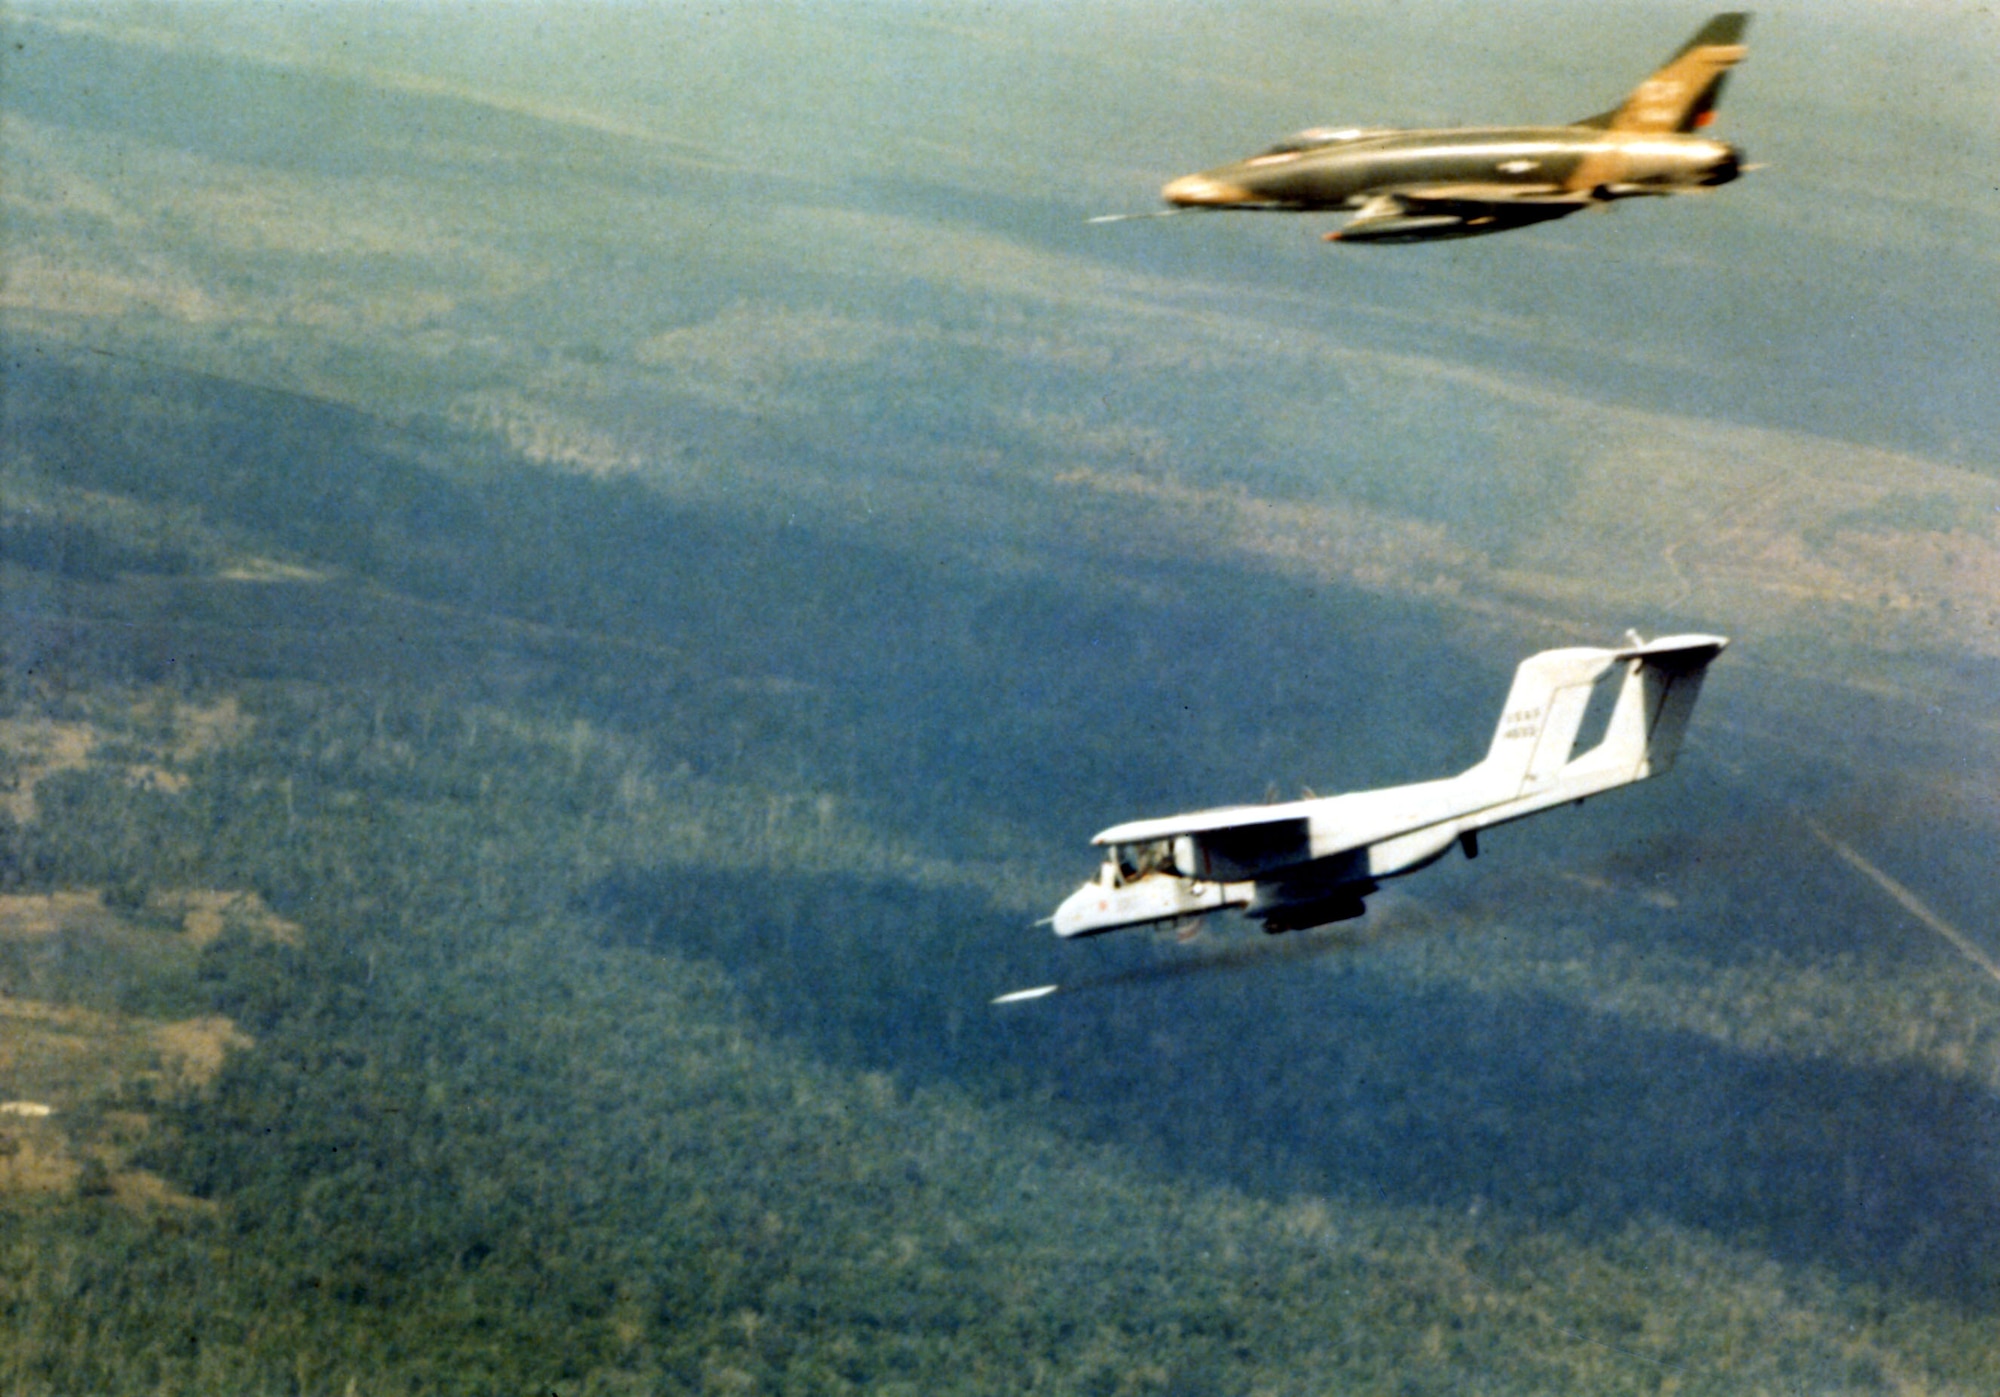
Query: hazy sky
point(1851, 286)
point(628, 235)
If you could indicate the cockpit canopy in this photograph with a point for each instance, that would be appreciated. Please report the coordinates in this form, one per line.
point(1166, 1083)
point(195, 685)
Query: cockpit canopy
point(1135, 861)
point(1315, 137)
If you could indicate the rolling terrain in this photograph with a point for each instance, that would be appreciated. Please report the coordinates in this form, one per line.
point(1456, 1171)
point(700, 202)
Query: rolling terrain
point(554, 643)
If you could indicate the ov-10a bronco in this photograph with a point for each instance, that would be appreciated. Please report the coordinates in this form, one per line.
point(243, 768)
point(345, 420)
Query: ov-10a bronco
point(1304, 863)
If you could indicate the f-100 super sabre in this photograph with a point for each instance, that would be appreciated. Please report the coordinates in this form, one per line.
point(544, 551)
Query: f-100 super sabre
point(1463, 182)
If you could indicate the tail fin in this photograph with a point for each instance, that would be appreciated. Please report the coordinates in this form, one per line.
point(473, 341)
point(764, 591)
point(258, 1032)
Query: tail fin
point(1682, 95)
point(1644, 734)
point(1534, 749)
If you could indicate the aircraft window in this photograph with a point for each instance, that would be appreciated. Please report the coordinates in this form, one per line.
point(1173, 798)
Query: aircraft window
point(1137, 860)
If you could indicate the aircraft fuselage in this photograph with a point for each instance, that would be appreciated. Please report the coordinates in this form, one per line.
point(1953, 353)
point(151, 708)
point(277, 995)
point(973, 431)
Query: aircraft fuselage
point(1410, 185)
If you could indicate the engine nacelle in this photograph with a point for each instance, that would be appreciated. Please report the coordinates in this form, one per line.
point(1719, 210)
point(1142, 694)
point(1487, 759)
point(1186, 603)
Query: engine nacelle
point(1282, 907)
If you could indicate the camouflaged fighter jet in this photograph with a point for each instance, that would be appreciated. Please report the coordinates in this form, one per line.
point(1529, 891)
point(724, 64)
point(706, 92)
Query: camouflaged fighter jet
point(1307, 862)
point(1415, 186)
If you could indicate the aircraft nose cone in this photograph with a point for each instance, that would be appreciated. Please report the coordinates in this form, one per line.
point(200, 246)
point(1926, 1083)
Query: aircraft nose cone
point(1074, 914)
point(1202, 192)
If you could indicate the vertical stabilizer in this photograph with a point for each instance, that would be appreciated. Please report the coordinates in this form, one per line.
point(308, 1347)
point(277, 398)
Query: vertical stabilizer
point(1533, 756)
point(1681, 96)
point(1664, 684)
point(1545, 708)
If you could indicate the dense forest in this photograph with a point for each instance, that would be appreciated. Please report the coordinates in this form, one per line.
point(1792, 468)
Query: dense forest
point(626, 1029)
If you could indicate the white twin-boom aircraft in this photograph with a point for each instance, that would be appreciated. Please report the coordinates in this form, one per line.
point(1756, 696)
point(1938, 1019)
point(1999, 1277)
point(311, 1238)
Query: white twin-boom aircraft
point(1307, 862)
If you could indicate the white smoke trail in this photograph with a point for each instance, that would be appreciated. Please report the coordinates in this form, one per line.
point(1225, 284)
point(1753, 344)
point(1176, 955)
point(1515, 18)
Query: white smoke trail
point(1908, 900)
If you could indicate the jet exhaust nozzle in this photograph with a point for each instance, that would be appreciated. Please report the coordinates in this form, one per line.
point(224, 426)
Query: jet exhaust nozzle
point(1728, 168)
